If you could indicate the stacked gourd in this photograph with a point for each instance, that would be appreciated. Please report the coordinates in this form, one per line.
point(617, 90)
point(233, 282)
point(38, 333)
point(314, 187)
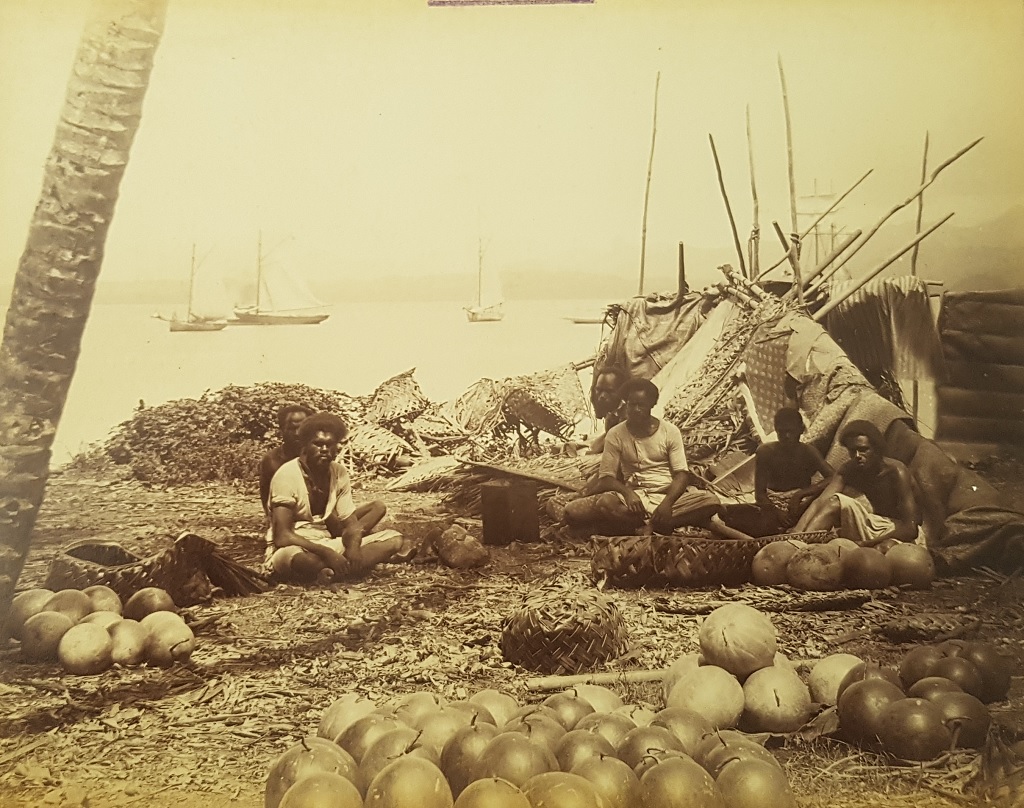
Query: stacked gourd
point(88, 630)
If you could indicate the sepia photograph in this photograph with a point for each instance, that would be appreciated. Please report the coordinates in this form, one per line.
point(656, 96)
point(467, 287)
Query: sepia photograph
point(510, 403)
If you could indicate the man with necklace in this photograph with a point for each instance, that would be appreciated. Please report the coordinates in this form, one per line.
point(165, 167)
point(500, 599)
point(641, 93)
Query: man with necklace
point(316, 531)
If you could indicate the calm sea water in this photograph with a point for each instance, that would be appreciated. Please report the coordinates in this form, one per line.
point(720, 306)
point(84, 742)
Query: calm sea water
point(128, 356)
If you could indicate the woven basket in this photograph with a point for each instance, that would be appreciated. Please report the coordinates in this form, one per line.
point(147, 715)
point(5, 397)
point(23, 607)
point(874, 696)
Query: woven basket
point(561, 630)
point(681, 561)
point(396, 398)
point(188, 570)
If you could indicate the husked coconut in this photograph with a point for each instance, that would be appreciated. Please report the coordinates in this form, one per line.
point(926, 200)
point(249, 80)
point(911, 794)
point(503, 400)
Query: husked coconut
point(147, 600)
point(72, 602)
point(775, 700)
point(129, 639)
point(816, 568)
point(85, 649)
point(41, 635)
point(827, 674)
point(738, 638)
point(23, 606)
point(170, 640)
point(711, 692)
point(101, 618)
point(342, 713)
point(678, 669)
point(104, 599)
point(769, 565)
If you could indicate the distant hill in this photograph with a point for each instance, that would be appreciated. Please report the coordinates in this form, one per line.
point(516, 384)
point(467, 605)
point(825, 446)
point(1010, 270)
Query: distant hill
point(983, 257)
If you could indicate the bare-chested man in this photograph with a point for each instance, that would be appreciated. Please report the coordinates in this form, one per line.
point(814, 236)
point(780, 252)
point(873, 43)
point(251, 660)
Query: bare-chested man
point(784, 471)
point(870, 498)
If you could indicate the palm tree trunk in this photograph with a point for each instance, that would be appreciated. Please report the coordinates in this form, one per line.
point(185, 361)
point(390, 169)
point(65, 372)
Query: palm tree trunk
point(57, 273)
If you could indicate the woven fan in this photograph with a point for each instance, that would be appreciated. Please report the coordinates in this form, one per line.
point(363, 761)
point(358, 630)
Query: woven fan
point(563, 630)
point(396, 398)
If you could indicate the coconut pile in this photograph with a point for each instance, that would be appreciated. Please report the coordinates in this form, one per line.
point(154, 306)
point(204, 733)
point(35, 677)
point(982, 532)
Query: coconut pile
point(206, 732)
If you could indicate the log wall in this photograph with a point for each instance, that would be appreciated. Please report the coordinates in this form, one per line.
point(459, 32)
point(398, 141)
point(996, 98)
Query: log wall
point(982, 399)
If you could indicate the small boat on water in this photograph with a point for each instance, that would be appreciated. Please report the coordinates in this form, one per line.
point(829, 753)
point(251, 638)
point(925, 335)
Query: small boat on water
point(196, 318)
point(281, 299)
point(586, 320)
point(489, 306)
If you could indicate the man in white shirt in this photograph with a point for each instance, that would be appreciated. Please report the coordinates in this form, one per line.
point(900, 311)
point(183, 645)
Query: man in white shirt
point(316, 530)
point(643, 478)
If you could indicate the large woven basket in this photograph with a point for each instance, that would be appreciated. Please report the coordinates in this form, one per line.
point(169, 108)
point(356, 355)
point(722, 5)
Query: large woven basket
point(681, 561)
point(563, 630)
point(188, 570)
point(396, 398)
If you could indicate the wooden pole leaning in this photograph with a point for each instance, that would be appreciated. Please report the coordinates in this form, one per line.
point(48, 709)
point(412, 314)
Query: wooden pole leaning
point(754, 242)
point(728, 209)
point(821, 313)
point(908, 200)
point(817, 221)
point(920, 207)
point(647, 188)
point(915, 388)
point(794, 262)
point(831, 257)
point(789, 158)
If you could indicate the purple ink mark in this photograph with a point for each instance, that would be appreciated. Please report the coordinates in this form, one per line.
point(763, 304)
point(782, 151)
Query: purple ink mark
point(508, 2)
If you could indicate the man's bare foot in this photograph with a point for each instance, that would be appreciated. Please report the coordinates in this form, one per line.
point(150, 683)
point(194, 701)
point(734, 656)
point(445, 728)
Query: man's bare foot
point(407, 552)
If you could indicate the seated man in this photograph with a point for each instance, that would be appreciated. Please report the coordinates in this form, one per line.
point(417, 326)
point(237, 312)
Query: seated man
point(606, 398)
point(644, 476)
point(870, 498)
point(289, 419)
point(316, 531)
point(783, 472)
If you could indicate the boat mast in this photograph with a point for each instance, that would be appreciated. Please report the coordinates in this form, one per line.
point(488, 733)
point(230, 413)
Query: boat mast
point(480, 273)
point(259, 267)
point(191, 284)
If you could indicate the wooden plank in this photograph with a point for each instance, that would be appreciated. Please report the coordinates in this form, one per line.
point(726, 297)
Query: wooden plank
point(996, 430)
point(987, 318)
point(1014, 297)
point(985, 376)
point(980, 403)
point(976, 347)
point(524, 474)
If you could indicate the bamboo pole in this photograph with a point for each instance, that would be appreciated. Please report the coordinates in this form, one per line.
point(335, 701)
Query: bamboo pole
point(647, 189)
point(864, 240)
point(789, 162)
point(794, 262)
point(728, 208)
point(831, 257)
point(915, 389)
point(820, 314)
point(817, 221)
point(920, 206)
point(606, 678)
point(754, 242)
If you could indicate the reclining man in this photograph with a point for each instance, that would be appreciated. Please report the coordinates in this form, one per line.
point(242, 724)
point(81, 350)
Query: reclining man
point(644, 477)
point(316, 531)
point(870, 498)
point(289, 419)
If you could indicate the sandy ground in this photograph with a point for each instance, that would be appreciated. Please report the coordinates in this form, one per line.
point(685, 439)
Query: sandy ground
point(266, 666)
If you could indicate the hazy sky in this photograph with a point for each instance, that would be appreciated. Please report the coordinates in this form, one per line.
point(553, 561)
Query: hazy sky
point(385, 136)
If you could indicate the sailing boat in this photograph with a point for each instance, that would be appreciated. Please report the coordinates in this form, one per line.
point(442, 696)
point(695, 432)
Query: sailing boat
point(194, 319)
point(281, 299)
point(488, 308)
